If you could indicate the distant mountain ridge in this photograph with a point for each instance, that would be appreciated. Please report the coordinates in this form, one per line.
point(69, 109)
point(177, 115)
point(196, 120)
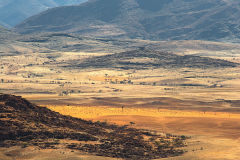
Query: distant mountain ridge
point(14, 11)
point(144, 19)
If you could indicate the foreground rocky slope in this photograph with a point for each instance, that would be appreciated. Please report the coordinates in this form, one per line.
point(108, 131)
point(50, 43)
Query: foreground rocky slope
point(25, 124)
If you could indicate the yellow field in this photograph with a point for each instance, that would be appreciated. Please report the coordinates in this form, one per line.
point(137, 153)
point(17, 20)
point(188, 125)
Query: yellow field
point(94, 112)
point(213, 135)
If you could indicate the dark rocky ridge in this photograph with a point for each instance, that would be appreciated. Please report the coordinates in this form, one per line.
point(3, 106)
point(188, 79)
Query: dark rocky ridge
point(216, 20)
point(147, 58)
point(25, 124)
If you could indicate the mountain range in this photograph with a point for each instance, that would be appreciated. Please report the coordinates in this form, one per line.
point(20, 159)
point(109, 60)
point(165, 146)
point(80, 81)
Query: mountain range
point(215, 20)
point(14, 11)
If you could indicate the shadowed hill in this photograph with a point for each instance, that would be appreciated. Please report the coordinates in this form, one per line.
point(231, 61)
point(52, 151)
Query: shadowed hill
point(146, 58)
point(25, 124)
point(145, 19)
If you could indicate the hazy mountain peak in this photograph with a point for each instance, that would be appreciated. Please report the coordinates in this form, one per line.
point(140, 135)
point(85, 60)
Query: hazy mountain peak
point(14, 11)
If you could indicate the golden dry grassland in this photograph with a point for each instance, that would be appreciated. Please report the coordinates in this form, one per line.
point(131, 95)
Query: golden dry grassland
point(202, 103)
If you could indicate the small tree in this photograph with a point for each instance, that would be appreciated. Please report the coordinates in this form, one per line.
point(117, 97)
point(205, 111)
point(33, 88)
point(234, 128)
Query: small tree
point(132, 123)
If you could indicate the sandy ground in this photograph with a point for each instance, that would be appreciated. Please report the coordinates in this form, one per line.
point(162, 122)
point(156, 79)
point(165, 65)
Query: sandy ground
point(32, 153)
point(214, 136)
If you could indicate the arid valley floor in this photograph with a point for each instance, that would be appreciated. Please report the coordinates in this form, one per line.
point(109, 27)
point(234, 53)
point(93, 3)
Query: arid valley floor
point(200, 102)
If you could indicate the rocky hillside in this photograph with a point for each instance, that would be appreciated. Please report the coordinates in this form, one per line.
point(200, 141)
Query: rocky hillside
point(25, 124)
point(146, 58)
point(216, 20)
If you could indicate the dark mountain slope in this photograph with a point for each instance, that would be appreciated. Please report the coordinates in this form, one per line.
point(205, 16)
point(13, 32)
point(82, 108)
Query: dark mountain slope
point(14, 11)
point(151, 19)
point(146, 58)
point(25, 124)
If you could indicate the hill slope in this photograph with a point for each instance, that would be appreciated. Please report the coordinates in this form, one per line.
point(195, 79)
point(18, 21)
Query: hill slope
point(25, 124)
point(152, 19)
point(14, 11)
point(5, 35)
point(147, 58)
